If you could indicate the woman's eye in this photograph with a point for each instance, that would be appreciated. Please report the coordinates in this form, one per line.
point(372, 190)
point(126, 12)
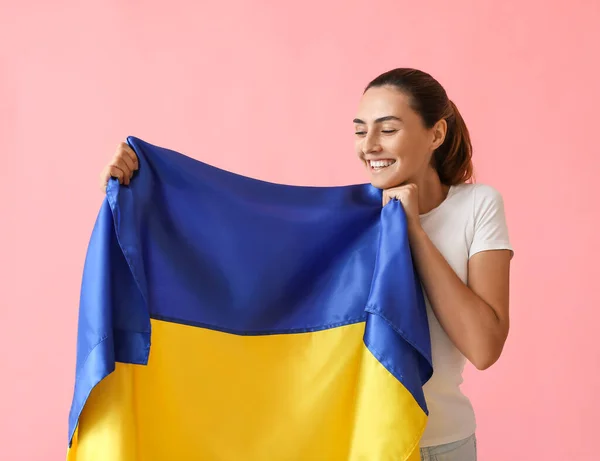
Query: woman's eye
point(360, 133)
point(388, 131)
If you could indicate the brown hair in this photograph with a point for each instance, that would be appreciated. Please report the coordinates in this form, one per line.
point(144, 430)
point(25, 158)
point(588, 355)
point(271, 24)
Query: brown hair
point(452, 160)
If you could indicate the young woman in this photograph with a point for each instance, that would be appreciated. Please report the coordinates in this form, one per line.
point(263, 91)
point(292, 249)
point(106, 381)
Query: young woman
point(416, 148)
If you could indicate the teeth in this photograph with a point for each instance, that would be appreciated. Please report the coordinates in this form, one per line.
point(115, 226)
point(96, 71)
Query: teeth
point(380, 163)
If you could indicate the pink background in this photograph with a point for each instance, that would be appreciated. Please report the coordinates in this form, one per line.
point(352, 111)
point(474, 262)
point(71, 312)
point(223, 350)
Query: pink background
point(269, 89)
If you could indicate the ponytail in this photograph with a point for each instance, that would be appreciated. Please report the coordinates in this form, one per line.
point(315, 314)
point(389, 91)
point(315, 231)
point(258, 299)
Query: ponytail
point(452, 160)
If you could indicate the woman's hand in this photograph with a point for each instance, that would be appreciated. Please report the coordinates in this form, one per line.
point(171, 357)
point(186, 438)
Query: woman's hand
point(408, 195)
point(122, 166)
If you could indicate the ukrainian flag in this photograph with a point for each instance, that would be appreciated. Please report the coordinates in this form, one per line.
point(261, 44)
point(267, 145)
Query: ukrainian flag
point(226, 318)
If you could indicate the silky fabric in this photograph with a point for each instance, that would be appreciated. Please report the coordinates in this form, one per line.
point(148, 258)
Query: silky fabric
point(286, 322)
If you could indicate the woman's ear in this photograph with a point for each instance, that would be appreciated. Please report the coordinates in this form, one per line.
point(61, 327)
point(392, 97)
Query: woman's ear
point(439, 133)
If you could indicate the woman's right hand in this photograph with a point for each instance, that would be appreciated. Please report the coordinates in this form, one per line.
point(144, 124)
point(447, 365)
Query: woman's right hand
point(122, 166)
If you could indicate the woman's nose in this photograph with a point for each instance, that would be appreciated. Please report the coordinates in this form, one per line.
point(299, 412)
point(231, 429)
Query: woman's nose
point(371, 144)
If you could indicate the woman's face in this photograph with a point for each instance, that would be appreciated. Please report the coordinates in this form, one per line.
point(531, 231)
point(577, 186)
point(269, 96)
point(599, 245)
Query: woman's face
point(391, 139)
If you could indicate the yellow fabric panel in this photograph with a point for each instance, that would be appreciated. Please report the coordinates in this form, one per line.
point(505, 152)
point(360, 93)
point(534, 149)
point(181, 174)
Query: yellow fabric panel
point(207, 395)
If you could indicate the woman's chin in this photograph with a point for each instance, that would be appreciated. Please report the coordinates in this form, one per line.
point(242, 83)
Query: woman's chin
point(384, 183)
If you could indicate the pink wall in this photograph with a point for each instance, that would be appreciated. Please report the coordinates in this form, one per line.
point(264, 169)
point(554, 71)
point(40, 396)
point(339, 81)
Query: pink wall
point(268, 89)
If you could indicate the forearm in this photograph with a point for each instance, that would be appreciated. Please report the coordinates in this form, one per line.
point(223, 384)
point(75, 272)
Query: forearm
point(471, 323)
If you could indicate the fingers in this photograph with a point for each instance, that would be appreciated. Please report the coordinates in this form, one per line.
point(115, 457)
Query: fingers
point(128, 155)
point(400, 193)
point(111, 171)
point(122, 166)
point(392, 194)
point(386, 198)
point(119, 171)
point(126, 160)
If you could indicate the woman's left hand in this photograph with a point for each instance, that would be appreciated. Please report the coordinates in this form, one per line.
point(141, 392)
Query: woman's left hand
point(408, 195)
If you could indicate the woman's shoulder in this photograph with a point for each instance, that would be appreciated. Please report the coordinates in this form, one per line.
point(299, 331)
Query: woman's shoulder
point(484, 203)
point(479, 194)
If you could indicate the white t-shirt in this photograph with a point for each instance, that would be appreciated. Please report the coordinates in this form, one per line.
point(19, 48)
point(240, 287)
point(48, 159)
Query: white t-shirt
point(471, 219)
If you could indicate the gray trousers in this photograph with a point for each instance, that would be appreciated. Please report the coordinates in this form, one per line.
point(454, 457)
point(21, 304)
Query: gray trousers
point(462, 450)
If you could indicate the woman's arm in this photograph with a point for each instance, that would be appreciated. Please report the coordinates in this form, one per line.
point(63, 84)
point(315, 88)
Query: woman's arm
point(474, 316)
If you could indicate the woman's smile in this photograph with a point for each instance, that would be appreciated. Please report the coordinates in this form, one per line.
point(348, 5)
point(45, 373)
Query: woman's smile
point(380, 164)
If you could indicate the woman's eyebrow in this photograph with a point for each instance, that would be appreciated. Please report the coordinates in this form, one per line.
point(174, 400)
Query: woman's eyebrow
point(379, 120)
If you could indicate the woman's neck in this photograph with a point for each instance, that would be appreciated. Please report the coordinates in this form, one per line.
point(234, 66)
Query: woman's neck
point(431, 192)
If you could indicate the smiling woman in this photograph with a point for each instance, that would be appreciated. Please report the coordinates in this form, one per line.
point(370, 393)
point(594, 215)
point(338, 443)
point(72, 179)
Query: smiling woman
point(416, 147)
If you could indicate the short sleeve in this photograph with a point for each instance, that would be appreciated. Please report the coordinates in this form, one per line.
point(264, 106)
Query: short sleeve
point(491, 230)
